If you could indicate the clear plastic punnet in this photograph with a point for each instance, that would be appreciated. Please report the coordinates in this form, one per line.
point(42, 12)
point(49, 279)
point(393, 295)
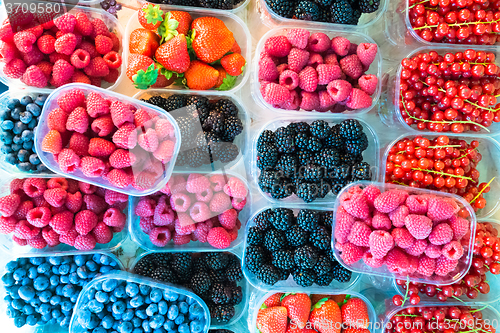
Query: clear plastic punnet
point(111, 22)
point(370, 155)
point(233, 23)
point(191, 207)
point(290, 283)
point(242, 140)
point(353, 36)
point(145, 160)
point(169, 292)
point(463, 263)
point(237, 9)
point(240, 309)
point(487, 167)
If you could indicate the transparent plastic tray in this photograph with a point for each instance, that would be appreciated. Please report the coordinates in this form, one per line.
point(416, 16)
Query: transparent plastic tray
point(232, 22)
point(236, 9)
point(111, 22)
point(241, 140)
point(353, 36)
point(259, 298)
point(290, 283)
point(75, 327)
point(488, 168)
point(394, 92)
point(48, 159)
point(463, 264)
point(142, 239)
point(11, 247)
point(240, 309)
point(370, 155)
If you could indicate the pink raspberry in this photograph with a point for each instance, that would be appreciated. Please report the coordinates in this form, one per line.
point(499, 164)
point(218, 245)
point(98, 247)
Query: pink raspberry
point(50, 236)
point(360, 234)
point(142, 118)
point(149, 140)
point(371, 192)
point(102, 233)
point(318, 42)
point(8, 51)
point(97, 67)
point(399, 215)
point(368, 221)
point(328, 73)
point(352, 48)
point(356, 205)
point(199, 212)
point(184, 225)
point(163, 213)
point(381, 221)
point(176, 184)
point(298, 37)
point(164, 129)
point(277, 46)
point(220, 202)
point(412, 265)
point(367, 53)
point(235, 188)
point(65, 22)
point(39, 216)
point(197, 183)
point(205, 196)
point(83, 24)
point(339, 90)
point(368, 83)
point(402, 238)
point(126, 136)
point(112, 197)
point(113, 217)
point(146, 224)
point(165, 151)
point(238, 203)
point(56, 197)
point(24, 230)
point(37, 242)
point(58, 183)
point(444, 266)
point(289, 79)
point(331, 59)
point(440, 209)
point(351, 253)
point(358, 99)
point(85, 221)
point(426, 266)
point(121, 114)
point(380, 243)
point(267, 69)
point(343, 225)
point(297, 59)
point(397, 261)
point(181, 239)
point(160, 236)
point(24, 41)
point(228, 219)
point(351, 66)
point(95, 203)
point(34, 57)
point(62, 222)
point(201, 232)
point(23, 209)
point(441, 234)
point(433, 251)
point(309, 101)
point(66, 44)
point(80, 58)
point(103, 44)
point(417, 248)
point(19, 241)
point(341, 45)
point(419, 226)
point(371, 261)
point(219, 238)
point(453, 250)
point(308, 79)
point(7, 225)
point(69, 237)
point(87, 188)
point(277, 95)
point(233, 233)
point(460, 227)
point(85, 242)
point(100, 28)
point(180, 202)
point(34, 76)
point(218, 182)
point(390, 200)
point(315, 59)
point(417, 204)
point(14, 68)
point(325, 101)
point(16, 186)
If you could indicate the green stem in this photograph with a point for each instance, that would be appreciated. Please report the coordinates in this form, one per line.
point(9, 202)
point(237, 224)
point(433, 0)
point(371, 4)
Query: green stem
point(464, 155)
point(480, 192)
point(455, 24)
point(442, 173)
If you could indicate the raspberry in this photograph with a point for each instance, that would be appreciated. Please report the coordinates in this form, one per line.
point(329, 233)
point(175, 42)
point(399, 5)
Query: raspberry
point(201, 232)
point(331, 59)
point(23, 209)
point(56, 120)
point(50, 236)
point(325, 101)
point(200, 212)
point(343, 225)
point(328, 73)
point(390, 200)
point(460, 227)
point(227, 219)
point(144, 180)
point(180, 202)
point(371, 261)
point(145, 207)
point(184, 225)
point(368, 83)
point(7, 225)
point(34, 187)
point(358, 99)
point(34, 76)
point(83, 25)
point(33, 57)
point(46, 44)
point(164, 129)
point(9, 204)
point(309, 101)
point(219, 238)
point(24, 41)
point(116, 42)
point(24, 230)
point(121, 113)
point(97, 67)
point(85, 242)
point(441, 234)
point(71, 99)
point(14, 69)
point(62, 71)
point(417, 204)
point(121, 158)
point(433, 251)
point(440, 209)
point(165, 151)
point(341, 45)
point(69, 237)
point(417, 248)
point(160, 236)
point(52, 142)
point(418, 225)
point(218, 182)
point(278, 46)
point(236, 188)
point(146, 224)
point(113, 217)
point(351, 66)
point(80, 58)
point(8, 51)
point(367, 53)
point(78, 120)
point(102, 233)
point(37, 242)
point(308, 79)
point(453, 250)
point(68, 161)
point(99, 147)
point(66, 44)
point(53, 57)
point(46, 68)
point(16, 186)
point(207, 195)
point(103, 44)
point(339, 90)
point(39, 216)
point(65, 22)
point(100, 28)
point(79, 77)
point(90, 48)
point(289, 79)
point(149, 140)
point(163, 213)
point(86, 188)
point(356, 205)
point(402, 238)
point(360, 234)
point(142, 118)
point(444, 266)
point(380, 243)
point(381, 221)
point(114, 61)
point(79, 143)
point(119, 178)
point(220, 202)
point(92, 167)
point(55, 196)
point(85, 221)
point(74, 202)
point(351, 253)
point(267, 69)
point(277, 95)
point(95, 203)
point(197, 183)
point(426, 266)
point(397, 261)
point(371, 192)
point(298, 37)
point(112, 197)
point(102, 126)
point(297, 60)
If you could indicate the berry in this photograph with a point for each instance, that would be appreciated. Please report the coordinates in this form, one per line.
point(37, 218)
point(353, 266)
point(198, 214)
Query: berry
point(380, 243)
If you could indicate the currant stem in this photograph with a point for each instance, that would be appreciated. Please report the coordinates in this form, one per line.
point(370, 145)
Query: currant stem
point(456, 24)
point(443, 173)
point(465, 155)
point(481, 192)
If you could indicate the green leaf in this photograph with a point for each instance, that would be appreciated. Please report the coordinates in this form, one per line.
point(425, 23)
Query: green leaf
point(181, 82)
point(228, 83)
point(319, 304)
point(285, 295)
point(215, 63)
point(168, 28)
point(145, 79)
point(189, 40)
point(153, 14)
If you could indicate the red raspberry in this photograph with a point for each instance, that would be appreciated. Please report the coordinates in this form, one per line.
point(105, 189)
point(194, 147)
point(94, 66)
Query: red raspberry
point(116, 41)
point(46, 44)
point(50, 236)
point(417, 204)
point(34, 76)
point(148, 141)
point(220, 202)
point(289, 79)
point(79, 77)
point(83, 25)
point(34, 187)
point(102, 126)
point(453, 250)
point(39, 216)
point(351, 66)
point(144, 180)
point(85, 221)
point(9, 204)
point(381, 221)
point(92, 167)
point(102, 233)
point(100, 147)
point(24, 41)
point(74, 202)
point(37, 242)
point(341, 45)
point(97, 68)
point(53, 57)
point(119, 178)
point(308, 79)
point(399, 215)
point(7, 225)
point(181, 239)
point(69, 237)
point(71, 99)
point(419, 226)
point(56, 120)
point(78, 120)
point(80, 58)
point(66, 44)
point(62, 71)
point(201, 232)
point(121, 158)
point(356, 205)
point(65, 22)
point(95, 203)
point(460, 227)
point(278, 46)
point(56, 197)
point(397, 261)
point(79, 143)
point(343, 225)
point(426, 266)
point(236, 188)
point(114, 61)
point(237, 203)
point(297, 60)
point(160, 236)
point(33, 57)
point(298, 37)
point(24, 230)
point(412, 265)
point(142, 118)
point(52, 142)
point(328, 73)
point(112, 197)
point(113, 217)
point(68, 161)
point(165, 151)
point(97, 105)
point(46, 68)
point(103, 44)
point(121, 113)
point(417, 248)
point(100, 28)
point(380, 243)
point(360, 234)
point(126, 136)
point(87, 188)
point(358, 99)
point(339, 90)
point(371, 192)
point(145, 207)
point(440, 209)
point(85, 242)
point(8, 51)
point(390, 200)
point(444, 266)
point(146, 224)
point(402, 238)
point(367, 53)
point(369, 260)
point(14, 69)
point(351, 253)
point(268, 70)
point(23, 209)
point(433, 251)
point(19, 241)
point(368, 83)
point(219, 238)
point(73, 186)
point(16, 186)
point(227, 219)
point(441, 234)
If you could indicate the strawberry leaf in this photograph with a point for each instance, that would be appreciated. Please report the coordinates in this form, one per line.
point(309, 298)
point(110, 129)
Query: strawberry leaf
point(319, 304)
point(181, 82)
point(228, 83)
point(153, 14)
point(215, 63)
point(168, 28)
point(145, 79)
point(347, 297)
point(189, 40)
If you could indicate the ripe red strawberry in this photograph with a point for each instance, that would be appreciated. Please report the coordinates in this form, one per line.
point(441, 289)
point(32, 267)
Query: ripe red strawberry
point(355, 313)
point(141, 71)
point(212, 38)
point(143, 41)
point(100, 147)
point(273, 300)
point(184, 20)
point(298, 307)
point(326, 311)
point(150, 16)
point(272, 320)
point(233, 64)
point(173, 55)
point(78, 120)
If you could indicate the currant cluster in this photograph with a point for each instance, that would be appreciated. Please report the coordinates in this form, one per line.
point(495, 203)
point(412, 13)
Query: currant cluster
point(443, 164)
point(456, 21)
point(486, 259)
point(450, 92)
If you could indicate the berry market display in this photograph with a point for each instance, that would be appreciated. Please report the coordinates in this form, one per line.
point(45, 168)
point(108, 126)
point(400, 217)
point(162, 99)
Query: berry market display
point(311, 160)
point(42, 51)
point(282, 245)
point(211, 128)
point(198, 53)
point(403, 232)
point(191, 208)
point(98, 137)
point(51, 212)
point(214, 276)
point(43, 290)
point(309, 71)
point(449, 91)
point(214, 4)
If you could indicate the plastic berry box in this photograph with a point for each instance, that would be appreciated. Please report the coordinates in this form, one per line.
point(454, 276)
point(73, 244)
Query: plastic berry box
point(464, 262)
point(49, 161)
point(352, 36)
point(240, 309)
point(142, 239)
point(121, 277)
point(290, 283)
point(241, 141)
point(111, 22)
point(232, 22)
point(237, 9)
point(488, 168)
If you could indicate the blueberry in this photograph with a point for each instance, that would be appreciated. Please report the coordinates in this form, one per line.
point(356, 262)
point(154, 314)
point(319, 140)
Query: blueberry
point(128, 315)
point(17, 304)
point(107, 322)
point(41, 168)
point(16, 113)
point(101, 296)
point(45, 296)
point(184, 328)
point(146, 327)
point(180, 319)
point(65, 322)
point(68, 290)
point(136, 301)
point(82, 272)
point(119, 292)
point(132, 289)
point(19, 127)
point(56, 260)
point(59, 289)
point(112, 298)
point(64, 279)
point(32, 320)
point(183, 307)
point(26, 282)
point(44, 309)
point(55, 300)
point(25, 166)
point(105, 269)
point(119, 307)
point(35, 302)
point(80, 260)
point(162, 308)
point(64, 269)
point(138, 330)
point(144, 289)
point(17, 139)
point(6, 138)
point(56, 313)
point(6, 149)
point(73, 278)
point(169, 325)
point(156, 321)
point(147, 300)
point(117, 316)
point(103, 259)
point(66, 306)
point(40, 99)
point(156, 295)
point(34, 109)
point(17, 147)
point(20, 321)
point(151, 310)
point(7, 125)
point(19, 274)
point(54, 280)
point(25, 117)
point(32, 124)
point(141, 314)
point(41, 283)
point(99, 330)
point(47, 317)
point(95, 306)
point(8, 280)
point(11, 158)
point(43, 268)
point(109, 285)
point(91, 265)
point(173, 312)
point(26, 100)
point(12, 103)
point(170, 296)
point(136, 321)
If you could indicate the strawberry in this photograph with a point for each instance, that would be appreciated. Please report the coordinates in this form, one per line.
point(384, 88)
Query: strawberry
point(143, 41)
point(175, 23)
point(233, 64)
point(355, 313)
point(184, 19)
point(325, 316)
point(272, 320)
point(173, 55)
point(298, 307)
point(212, 39)
point(150, 16)
point(273, 300)
point(201, 76)
point(141, 71)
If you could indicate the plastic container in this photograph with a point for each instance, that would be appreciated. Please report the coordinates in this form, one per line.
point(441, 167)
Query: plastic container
point(488, 168)
point(493, 130)
point(49, 161)
point(241, 140)
point(75, 326)
point(236, 9)
point(142, 239)
point(290, 283)
point(259, 298)
point(370, 155)
point(353, 36)
point(271, 19)
point(240, 309)
point(111, 22)
point(12, 248)
point(463, 264)
point(232, 22)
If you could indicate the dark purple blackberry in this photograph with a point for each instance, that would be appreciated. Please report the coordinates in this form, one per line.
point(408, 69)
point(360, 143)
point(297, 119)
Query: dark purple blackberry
point(299, 127)
point(216, 260)
point(159, 101)
point(287, 164)
point(369, 6)
point(254, 258)
point(350, 129)
point(314, 144)
point(265, 138)
point(358, 146)
point(232, 128)
point(282, 218)
point(182, 264)
point(220, 294)
point(267, 159)
point(199, 265)
point(283, 259)
point(145, 267)
point(196, 157)
point(304, 277)
point(284, 8)
point(236, 296)
point(337, 187)
point(296, 236)
point(224, 151)
point(326, 219)
point(283, 274)
point(198, 106)
point(175, 102)
point(341, 274)
point(334, 139)
point(165, 274)
point(284, 140)
point(307, 191)
point(324, 2)
point(282, 189)
point(324, 188)
point(341, 172)
point(325, 279)
point(268, 274)
point(308, 219)
point(327, 158)
point(200, 283)
point(304, 157)
point(188, 127)
point(255, 236)
point(319, 129)
point(182, 158)
point(302, 140)
point(307, 11)
point(269, 181)
point(274, 240)
point(323, 266)
point(222, 313)
point(361, 171)
point(312, 173)
point(263, 220)
point(306, 256)
point(320, 238)
point(218, 276)
point(217, 4)
point(343, 13)
point(234, 273)
point(215, 123)
point(227, 107)
point(161, 259)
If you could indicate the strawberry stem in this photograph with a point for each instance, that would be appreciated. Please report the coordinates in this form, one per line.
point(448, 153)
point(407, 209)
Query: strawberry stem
point(481, 192)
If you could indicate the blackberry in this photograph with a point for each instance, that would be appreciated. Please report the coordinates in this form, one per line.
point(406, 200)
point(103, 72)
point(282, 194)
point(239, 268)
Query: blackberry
point(215, 123)
point(144, 268)
point(302, 140)
point(283, 259)
point(341, 172)
point(217, 4)
point(227, 107)
point(336, 188)
point(165, 274)
point(224, 151)
point(320, 238)
point(219, 294)
point(201, 283)
point(282, 189)
point(236, 296)
point(182, 158)
point(324, 188)
point(158, 101)
point(325, 279)
point(350, 129)
point(331, 256)
point(199, 265)
point(314, 144)
point(325, 15)
point(320, 129)
point(182, 265)
point(232, 128)
point(218, 276)
point(341, 274)
point(198, 106)
point(299, 127)
point(323, 266)
point(254, 258)
point(268, 274)
point(267, 159)
point(312, 173)
point(358, 146)
point(304, 277)
point(187, 127)
point(342, 12)
point(269, 181)
point(234, 273)
point(307, 11)
point(307, 219)
point(283, 274)
point(216, 260)
point(327, 158)
point(334, 139)
point(175, 102)
point(324, 2)
point(361, 171)
point(197, 157)
point(282, 218)
point(161, 259)
point(222, 313)
point(265, 138)
point(305, 256)
point(284, 8)
point(296, 236)
point(287, 164)
point(304, 157)
point(368, 6)
point(255, 236)
point(263, 220)
point(284, 140)
point(307, 191)
point(274, 240)
point(326, 219)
